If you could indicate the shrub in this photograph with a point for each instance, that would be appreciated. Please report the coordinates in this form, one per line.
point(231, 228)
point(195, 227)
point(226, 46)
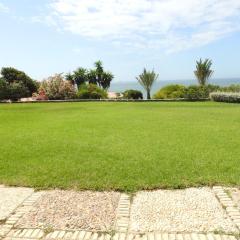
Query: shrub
point(91, 91)
point(56, 88)
point(199, 92)
point(3, 89)
point(16, 90)
point(132, 94)
point(13, 91)
point(231, 88)
point(229, 97)
point(40, 96)
point(170, 92)
point(12, 75)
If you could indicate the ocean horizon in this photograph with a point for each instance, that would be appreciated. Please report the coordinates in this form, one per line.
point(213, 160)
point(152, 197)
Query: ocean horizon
point(122, 86)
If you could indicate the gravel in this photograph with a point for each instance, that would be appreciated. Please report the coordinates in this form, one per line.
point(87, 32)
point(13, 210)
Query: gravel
point(10, 198)
point(189, 210)
point(73, 210)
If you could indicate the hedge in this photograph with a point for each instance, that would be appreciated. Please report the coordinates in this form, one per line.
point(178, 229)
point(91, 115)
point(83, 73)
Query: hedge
point(225, 97)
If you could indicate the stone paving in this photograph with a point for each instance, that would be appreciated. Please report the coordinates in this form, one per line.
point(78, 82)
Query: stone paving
point(10, 198)
point(121, 230)
point(184, 210)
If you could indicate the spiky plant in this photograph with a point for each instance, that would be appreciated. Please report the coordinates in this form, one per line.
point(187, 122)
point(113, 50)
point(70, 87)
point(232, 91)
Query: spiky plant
point(146, 79)
point(203, 71)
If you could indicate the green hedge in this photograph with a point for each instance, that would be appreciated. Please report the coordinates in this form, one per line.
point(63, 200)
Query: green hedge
point(91, 91)
point(132, 94)
point(170, 92)
point(193, 92)
point(225, 97)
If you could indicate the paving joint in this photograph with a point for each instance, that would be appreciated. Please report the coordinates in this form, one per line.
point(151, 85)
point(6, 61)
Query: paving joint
point(123, 214)
point(228, 204)
point(16, 214)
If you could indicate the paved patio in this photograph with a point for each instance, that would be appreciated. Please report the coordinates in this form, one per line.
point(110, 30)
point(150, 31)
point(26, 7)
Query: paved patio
point(190, 214)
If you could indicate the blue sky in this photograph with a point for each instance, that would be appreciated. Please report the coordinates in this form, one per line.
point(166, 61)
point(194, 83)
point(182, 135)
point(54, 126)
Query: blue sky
point(52, 36)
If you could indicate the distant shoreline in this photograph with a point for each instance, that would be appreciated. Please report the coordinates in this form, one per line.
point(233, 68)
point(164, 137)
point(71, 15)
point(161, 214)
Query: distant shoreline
point(122, 86)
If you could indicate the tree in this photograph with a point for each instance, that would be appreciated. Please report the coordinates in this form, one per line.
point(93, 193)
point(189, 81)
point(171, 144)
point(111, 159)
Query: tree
point(203, 71)
point(12, 75)
point(99, 76)
point(146, 79)
point(95, 76)
point(79, 76)
point(3, 89)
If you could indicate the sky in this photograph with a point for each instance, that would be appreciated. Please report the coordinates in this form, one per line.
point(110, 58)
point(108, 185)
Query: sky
point(45, 37)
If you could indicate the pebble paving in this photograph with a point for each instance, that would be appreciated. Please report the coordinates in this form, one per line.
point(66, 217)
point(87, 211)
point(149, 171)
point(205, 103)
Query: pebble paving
point(122, 231)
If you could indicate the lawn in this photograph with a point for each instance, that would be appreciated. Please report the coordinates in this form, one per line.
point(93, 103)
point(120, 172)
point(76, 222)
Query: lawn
point(122, 146)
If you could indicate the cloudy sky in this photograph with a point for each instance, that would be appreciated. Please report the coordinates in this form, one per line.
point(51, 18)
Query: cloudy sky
point(49, 36)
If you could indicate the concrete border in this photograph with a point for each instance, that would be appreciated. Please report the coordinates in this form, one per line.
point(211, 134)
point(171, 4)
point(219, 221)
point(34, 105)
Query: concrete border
point(227, 202)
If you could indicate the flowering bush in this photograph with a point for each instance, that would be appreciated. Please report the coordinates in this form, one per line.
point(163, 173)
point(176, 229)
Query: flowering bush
point(225, 97)
point(40, 96)
point(56, 88)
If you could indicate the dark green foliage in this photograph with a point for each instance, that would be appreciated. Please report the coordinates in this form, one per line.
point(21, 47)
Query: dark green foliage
point(11, 75)
point(95, 76)
point(15, 84)
point(99, 76)
point(132, 94)
point(17, 90)
point(91, 91)
point(3, 89)
point(13, 91)
point(199, 92)
point(79, 76)
point(170, 92)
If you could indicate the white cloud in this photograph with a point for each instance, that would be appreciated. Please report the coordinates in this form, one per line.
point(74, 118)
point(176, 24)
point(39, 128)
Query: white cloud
point(174, 25)
point(3, 8)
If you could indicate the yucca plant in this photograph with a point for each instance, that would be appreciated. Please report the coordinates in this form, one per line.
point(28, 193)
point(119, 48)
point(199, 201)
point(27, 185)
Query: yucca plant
point(203, 71)
point(146, 79)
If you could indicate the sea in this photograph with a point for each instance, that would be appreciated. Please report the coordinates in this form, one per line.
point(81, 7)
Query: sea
point(122, 86)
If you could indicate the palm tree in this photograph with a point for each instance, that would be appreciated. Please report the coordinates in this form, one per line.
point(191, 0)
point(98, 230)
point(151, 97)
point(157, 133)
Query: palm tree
point(80, 76)
point(146, 79)
point(99, 76)
point(203, 71)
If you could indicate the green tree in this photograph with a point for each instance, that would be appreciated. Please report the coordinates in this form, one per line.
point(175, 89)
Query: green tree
point(203, 71)
point(79, 76)
point(3, 89)
point(99, 76)
point(12, 75)
point(146, 79)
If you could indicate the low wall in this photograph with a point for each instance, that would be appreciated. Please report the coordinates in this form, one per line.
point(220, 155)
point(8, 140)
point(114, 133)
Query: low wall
point(112, 100)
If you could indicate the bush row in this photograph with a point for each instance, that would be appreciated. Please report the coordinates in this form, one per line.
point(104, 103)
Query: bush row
point(229, 97)
point(193, 92)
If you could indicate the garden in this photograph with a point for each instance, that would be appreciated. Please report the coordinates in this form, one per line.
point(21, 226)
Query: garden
point(123, 146)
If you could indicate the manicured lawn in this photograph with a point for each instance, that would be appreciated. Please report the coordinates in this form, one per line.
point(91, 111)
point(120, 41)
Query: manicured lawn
point(123, 146)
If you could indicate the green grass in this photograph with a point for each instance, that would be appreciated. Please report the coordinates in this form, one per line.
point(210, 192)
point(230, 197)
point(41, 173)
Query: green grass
point(122, 146)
